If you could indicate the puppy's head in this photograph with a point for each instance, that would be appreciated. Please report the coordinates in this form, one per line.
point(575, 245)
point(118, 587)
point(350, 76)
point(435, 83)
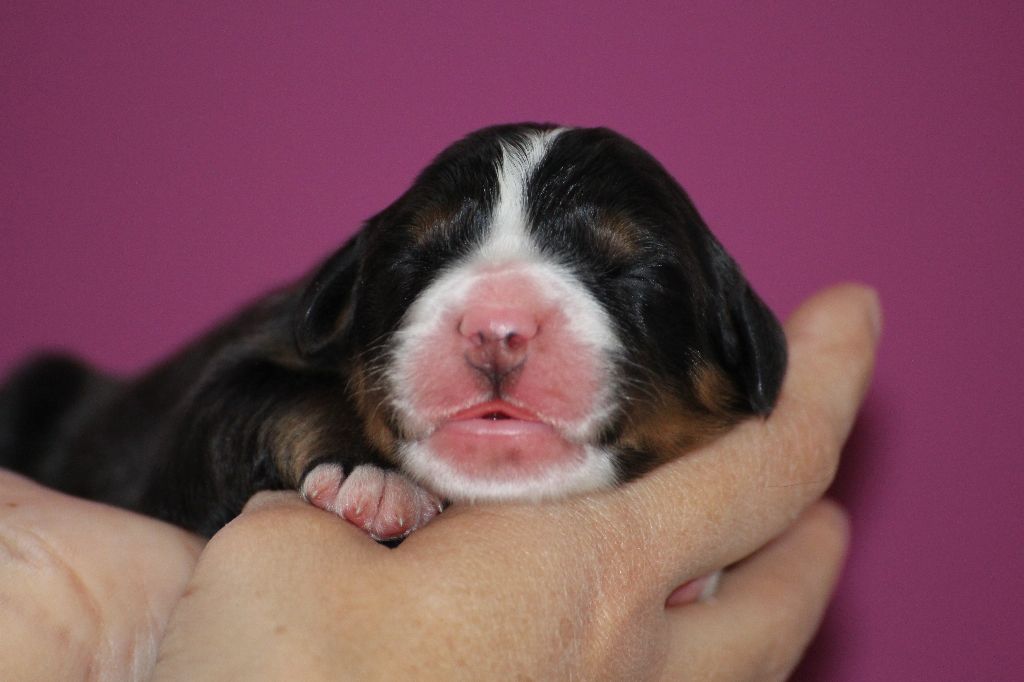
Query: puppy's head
point(543, 312)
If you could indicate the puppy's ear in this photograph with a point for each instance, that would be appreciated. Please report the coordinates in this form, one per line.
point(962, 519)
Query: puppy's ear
point(325, 307)
point(752, 343)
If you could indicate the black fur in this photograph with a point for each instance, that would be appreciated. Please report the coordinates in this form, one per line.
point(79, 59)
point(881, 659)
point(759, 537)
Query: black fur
point(266, 396)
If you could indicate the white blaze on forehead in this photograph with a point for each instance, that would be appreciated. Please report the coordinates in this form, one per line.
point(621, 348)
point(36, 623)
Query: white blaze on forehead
point(509, 241)
point(508, 238)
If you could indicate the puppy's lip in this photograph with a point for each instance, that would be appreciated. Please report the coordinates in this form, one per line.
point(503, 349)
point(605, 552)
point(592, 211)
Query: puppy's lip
point(497, 441)
point(495, 410)
point(485, 448)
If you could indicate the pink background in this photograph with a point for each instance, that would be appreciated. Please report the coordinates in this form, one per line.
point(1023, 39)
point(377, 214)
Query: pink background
point(159, 166)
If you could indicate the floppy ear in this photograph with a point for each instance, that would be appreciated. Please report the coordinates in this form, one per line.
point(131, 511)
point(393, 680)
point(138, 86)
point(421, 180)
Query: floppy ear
point(751, 340)
point(325, 308)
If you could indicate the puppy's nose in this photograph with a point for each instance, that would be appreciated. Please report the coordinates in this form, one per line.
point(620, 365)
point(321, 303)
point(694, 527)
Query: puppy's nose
point(498, 337)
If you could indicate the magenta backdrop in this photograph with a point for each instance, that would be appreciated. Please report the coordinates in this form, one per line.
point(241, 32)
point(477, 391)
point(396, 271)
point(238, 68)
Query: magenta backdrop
point(161, 165)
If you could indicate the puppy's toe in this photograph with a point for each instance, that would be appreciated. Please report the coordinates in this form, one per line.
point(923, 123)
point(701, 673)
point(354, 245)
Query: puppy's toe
point(384, 503)
point(321, 485)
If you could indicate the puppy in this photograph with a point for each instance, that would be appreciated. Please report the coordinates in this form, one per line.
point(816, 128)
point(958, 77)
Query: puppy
point(542, 313)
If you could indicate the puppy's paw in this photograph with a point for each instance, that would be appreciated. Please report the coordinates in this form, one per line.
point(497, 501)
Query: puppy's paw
point(383, 502)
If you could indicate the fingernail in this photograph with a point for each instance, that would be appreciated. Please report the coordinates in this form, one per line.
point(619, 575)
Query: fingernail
point(688, 592)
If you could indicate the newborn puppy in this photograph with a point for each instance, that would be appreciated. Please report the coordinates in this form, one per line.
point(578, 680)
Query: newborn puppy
point(542, 313)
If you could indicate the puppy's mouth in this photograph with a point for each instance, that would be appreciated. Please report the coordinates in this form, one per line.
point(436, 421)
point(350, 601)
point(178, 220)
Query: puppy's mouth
point(496, 440)
point(494, 410)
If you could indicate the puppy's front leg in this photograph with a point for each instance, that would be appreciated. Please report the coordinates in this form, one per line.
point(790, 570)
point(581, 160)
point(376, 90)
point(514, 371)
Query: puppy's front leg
point(254, 424)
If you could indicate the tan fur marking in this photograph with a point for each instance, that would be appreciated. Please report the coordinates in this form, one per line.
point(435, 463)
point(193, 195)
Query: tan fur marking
point(430, 220)
point(298, 440)
point(714, 390)
point(618, 236)
point(370, 402)
point(307, 432)
point(665, 427)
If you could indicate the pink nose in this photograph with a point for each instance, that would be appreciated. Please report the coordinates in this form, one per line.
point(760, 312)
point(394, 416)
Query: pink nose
point(498, 336)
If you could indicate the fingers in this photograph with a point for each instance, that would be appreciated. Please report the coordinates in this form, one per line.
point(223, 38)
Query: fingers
point(833, 338)
point(720, 503)
point(767, 608)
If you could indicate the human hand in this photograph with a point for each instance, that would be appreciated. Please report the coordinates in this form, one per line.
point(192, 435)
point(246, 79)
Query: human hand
point(85, 589)
point(575, 589)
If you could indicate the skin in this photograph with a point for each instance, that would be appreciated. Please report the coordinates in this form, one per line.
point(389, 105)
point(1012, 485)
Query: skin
point(569, 590)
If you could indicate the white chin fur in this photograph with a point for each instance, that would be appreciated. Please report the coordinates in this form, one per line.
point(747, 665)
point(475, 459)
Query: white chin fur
point(593, 472)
